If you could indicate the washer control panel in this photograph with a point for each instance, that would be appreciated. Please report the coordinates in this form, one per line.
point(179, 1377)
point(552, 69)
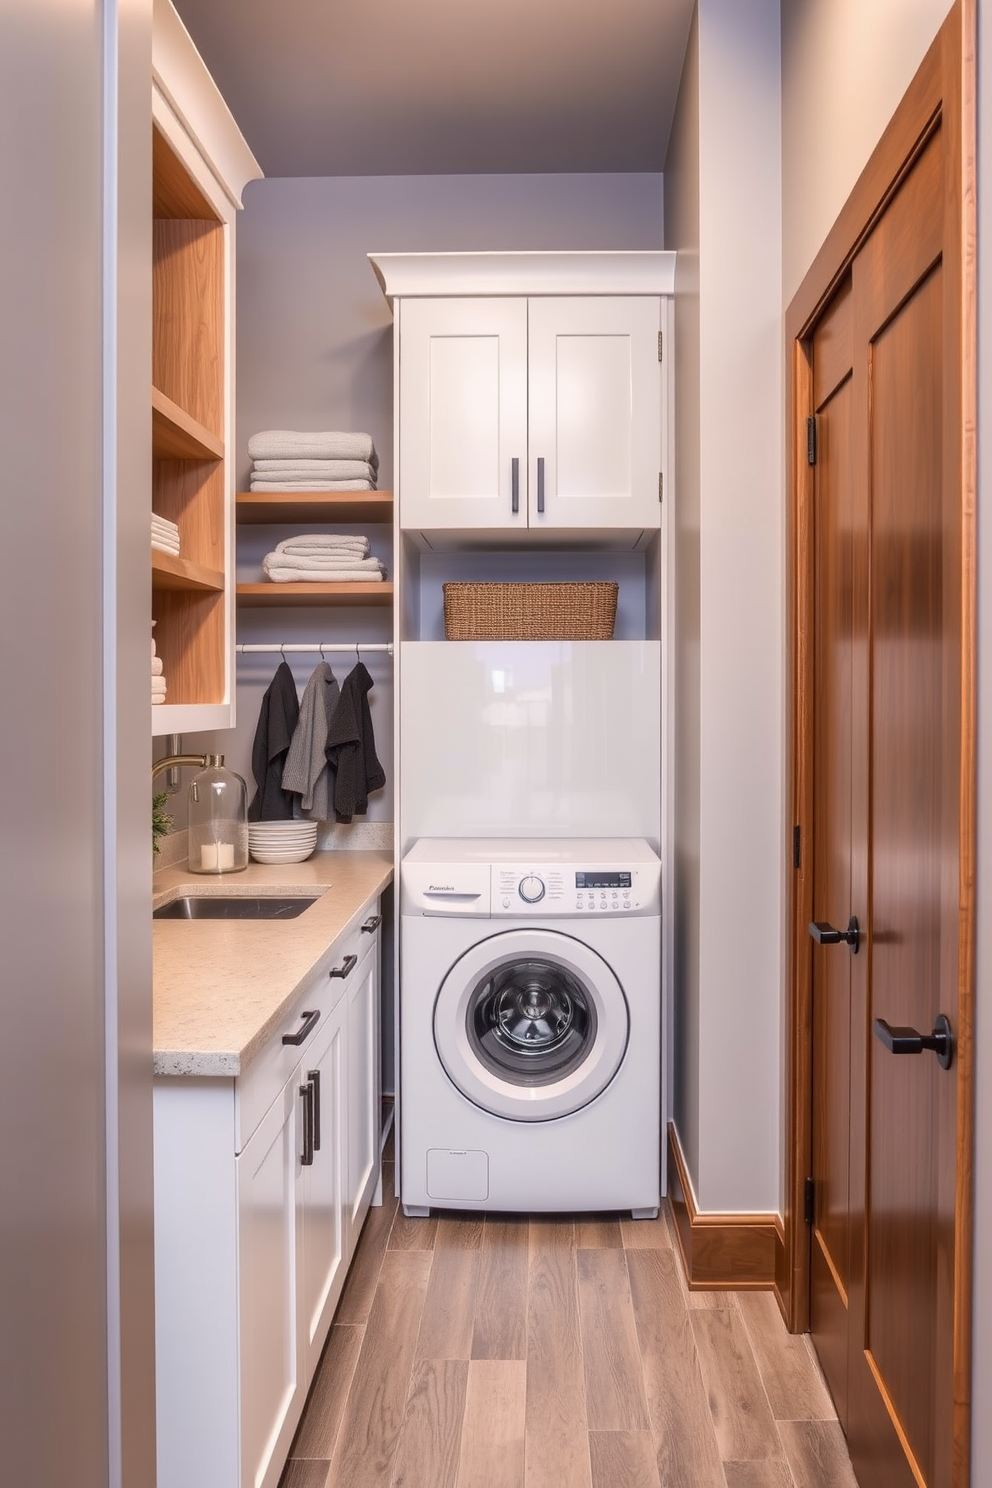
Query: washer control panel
point(565, 890)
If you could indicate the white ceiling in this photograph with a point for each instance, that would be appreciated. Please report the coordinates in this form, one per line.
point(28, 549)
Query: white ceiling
point(436, 87)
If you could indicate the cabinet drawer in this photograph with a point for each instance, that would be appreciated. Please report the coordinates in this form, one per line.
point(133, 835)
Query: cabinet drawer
point(260, 1084)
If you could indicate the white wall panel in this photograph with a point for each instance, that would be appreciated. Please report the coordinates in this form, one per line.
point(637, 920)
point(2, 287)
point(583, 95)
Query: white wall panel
point(530, 738)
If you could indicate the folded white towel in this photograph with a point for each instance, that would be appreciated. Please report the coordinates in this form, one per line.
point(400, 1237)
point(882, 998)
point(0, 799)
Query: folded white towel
point(166, 547)
point(158, 687)
point(310, 485)
point(153, 648)
point(163, 524)
point(323, 563)
point(333, 542)
point(156, 667)
point(292, 444)
point(158, 699)
point(339, 576)
point(317, 469)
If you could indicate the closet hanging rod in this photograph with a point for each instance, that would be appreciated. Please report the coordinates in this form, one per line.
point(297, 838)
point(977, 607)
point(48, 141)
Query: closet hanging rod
point(314, 647)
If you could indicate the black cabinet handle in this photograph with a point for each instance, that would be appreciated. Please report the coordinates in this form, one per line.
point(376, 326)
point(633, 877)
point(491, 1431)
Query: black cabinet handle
point(911, 1041)
point(515, 485)
point(345, 969)
point(306, 1091)
point(372, 924)
point(310, 1021)
point(825, 934)
point(313, 1080)
point(540, 483)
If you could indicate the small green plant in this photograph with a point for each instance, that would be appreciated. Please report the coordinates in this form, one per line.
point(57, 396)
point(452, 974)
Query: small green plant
point(161, 820)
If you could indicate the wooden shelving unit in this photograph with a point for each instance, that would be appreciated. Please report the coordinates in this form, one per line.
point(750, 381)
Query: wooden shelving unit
point(294, 595)
point(305, 507)
point(169, 572)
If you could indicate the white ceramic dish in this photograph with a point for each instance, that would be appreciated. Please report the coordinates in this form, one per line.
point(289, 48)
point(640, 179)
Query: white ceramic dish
point(288, 855)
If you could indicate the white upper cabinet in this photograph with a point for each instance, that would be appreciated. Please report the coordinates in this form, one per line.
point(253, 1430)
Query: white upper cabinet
point(544, 410)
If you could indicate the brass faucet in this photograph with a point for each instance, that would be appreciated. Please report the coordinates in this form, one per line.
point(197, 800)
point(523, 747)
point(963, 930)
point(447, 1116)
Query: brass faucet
point(173, 761)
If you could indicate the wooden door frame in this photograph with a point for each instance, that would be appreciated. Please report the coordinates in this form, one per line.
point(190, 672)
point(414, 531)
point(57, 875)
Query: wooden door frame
point(942, 94)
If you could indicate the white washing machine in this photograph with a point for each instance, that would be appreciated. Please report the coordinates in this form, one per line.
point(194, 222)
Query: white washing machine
point(530, 1026)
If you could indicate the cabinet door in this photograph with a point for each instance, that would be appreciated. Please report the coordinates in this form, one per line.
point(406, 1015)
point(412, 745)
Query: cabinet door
point(269, 1254)
point(595, 411)
point(364, 1097)
point(321, 1200)
point(463, 413)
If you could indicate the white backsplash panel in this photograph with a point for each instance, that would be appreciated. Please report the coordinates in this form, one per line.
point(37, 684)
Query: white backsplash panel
point(530, 738)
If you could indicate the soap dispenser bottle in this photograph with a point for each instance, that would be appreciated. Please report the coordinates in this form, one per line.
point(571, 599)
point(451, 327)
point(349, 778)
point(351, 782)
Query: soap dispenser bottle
point(218, 819)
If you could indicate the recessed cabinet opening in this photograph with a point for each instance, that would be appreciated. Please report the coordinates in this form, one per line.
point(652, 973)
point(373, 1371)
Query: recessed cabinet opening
point(188, 422)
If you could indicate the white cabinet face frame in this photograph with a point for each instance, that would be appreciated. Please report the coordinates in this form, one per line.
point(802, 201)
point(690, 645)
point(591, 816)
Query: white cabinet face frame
point(364, 1093)
point(521, 414)
point(320, 1185)
point(269, 1258)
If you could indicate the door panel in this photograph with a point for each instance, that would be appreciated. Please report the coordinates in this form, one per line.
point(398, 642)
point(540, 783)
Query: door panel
point(886, 757)
point(835, 541)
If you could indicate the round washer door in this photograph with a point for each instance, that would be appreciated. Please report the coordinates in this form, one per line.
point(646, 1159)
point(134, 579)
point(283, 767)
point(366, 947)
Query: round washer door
point(531, 1024)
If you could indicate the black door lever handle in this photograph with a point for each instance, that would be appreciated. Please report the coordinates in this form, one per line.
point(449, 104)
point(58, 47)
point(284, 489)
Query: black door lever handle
point(911, 1041)
point(825, 934)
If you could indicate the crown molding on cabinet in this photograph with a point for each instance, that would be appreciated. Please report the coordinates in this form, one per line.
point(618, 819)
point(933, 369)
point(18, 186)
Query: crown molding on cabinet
point(585, 273)
point(181, 79)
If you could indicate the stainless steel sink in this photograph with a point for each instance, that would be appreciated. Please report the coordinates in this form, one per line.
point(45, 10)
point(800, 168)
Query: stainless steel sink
point(218, 907)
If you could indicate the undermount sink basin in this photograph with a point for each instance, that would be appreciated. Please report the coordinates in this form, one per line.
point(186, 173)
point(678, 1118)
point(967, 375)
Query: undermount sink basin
point(217, 907)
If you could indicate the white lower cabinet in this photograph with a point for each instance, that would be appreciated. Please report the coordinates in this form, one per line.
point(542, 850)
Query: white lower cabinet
point(262, 1184)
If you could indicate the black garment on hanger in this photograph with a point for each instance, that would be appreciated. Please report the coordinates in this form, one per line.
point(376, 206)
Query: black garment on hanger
point(351, 747)
point(277, 719)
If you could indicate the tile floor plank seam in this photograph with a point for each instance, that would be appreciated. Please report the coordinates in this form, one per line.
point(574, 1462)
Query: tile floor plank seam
point(748, 1411)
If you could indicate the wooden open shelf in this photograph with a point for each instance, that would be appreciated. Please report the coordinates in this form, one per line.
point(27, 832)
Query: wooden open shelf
point(269, 594)
point(179, 573)
point(178, 436)
point(308, 507)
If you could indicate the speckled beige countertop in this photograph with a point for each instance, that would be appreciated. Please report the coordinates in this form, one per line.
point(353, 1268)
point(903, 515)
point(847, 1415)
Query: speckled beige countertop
point(221, 986)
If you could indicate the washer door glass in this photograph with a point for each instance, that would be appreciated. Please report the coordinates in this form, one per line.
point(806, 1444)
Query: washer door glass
point(531, 1024)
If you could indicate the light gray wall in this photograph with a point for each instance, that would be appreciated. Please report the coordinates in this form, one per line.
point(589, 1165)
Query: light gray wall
point(75, 925)
point(314, 348)
point(731, 605)
point(682, 231)
point(845, 66)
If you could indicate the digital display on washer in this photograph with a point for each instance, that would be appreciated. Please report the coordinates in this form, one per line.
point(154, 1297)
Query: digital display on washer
point(602, 880)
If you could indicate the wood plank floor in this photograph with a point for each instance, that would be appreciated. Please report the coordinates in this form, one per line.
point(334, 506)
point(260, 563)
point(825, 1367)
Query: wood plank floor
point(472, 1352)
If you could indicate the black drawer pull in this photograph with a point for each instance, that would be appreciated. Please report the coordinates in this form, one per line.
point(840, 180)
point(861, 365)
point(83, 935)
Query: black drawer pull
point(345, 969)
point(371, 925)
point(310, 1021)
point(306, 1091)
point(313, 1080)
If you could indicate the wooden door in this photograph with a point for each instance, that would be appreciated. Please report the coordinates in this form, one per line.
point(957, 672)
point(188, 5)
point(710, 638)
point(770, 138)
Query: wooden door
point(889, 742)
point(463, 413)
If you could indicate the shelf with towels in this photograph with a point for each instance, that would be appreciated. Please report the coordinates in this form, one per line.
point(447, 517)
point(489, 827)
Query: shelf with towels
point(307, 507)
point(305, 593)
point(170, 572)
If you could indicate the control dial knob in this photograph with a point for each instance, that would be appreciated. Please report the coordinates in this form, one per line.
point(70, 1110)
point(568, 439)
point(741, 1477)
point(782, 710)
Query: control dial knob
point(530, 888)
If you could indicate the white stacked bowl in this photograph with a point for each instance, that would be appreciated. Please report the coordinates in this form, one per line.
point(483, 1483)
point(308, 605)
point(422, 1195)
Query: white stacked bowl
point(282, 841)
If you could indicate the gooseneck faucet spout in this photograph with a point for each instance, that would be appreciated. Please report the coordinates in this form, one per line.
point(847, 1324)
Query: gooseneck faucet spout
point(170, 761)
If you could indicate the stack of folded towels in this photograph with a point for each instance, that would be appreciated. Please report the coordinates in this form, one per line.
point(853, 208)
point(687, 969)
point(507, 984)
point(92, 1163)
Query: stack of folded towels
point(322, 558)
point(286, 460)
point(158, 680)
point(165, 535)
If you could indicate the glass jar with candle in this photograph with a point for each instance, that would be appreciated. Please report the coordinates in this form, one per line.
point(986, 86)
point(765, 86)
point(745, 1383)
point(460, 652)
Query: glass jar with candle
point(218, 819)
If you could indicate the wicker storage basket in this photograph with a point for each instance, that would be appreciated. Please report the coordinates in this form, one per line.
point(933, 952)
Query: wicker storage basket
point(529, 612)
